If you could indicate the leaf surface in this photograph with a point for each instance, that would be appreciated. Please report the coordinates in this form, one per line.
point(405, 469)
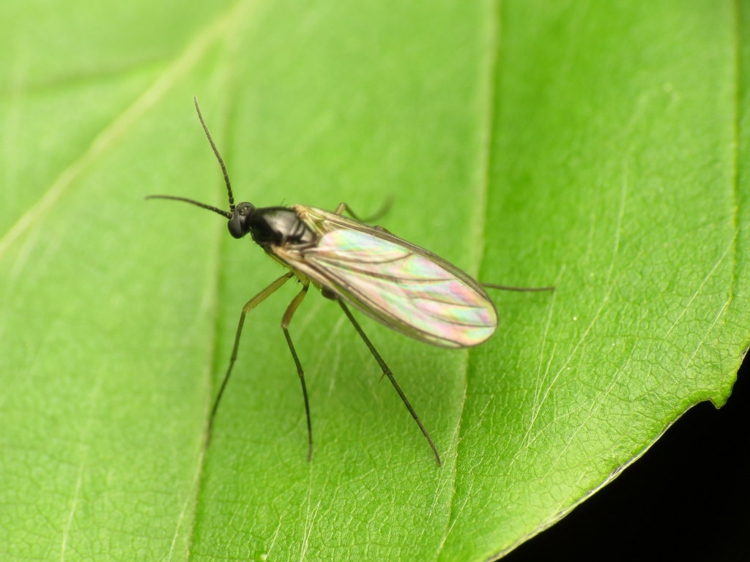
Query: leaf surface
point(596, 146)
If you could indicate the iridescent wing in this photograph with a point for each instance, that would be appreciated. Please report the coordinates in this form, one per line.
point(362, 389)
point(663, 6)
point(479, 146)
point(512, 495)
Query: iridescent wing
point(395, 282)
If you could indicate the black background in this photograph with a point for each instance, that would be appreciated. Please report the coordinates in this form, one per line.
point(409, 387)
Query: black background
point(687, 498)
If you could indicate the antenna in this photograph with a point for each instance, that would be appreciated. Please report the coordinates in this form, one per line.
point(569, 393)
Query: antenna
point(222, 212)
point(227, 214)
point(218, 156)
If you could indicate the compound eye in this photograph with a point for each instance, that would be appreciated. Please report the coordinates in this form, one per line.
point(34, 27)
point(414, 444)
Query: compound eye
point(239, 223)
point(235, 225)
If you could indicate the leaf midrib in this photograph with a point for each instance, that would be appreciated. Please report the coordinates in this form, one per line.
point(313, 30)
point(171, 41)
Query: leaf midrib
point(488, 112)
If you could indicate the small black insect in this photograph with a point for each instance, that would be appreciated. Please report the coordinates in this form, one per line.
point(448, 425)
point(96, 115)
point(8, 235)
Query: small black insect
point(395, 282)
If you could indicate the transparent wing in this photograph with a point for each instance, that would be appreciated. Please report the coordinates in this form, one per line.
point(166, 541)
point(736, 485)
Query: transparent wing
point(400, 285)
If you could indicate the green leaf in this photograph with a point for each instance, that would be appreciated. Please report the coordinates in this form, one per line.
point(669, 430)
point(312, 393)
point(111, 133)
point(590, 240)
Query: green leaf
point(597, 146)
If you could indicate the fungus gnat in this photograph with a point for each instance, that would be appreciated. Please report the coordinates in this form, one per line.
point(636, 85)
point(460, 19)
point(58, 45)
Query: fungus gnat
point(395, 282)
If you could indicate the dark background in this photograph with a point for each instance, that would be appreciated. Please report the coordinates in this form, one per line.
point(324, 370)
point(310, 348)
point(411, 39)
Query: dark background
point(687, 498)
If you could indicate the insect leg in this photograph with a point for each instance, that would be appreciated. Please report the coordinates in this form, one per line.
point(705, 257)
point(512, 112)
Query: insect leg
point(388, 373)
point(252, 303)
point(343, 207)
point(518, 289)
point(284, 326)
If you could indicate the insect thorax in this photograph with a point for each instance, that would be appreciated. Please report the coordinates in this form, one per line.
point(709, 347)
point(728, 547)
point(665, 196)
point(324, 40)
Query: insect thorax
point(276, 226)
